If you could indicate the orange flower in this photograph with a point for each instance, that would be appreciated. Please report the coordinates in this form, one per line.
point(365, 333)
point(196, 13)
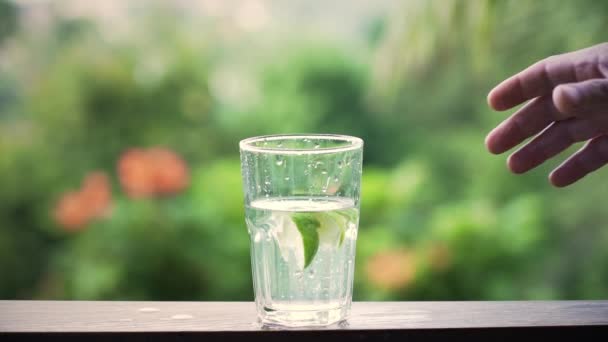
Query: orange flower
point(391, 270)
point(70, 212)
point(171, 174)
point(75, 209)
point(96, 194)
point(156, 171)
point(135, 174)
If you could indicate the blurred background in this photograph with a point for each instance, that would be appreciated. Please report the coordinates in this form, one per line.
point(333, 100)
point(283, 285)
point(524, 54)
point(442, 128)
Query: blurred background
point(120, 122)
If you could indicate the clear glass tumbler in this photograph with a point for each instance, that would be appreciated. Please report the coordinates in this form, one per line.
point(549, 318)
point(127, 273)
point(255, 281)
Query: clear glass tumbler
point(302, 214)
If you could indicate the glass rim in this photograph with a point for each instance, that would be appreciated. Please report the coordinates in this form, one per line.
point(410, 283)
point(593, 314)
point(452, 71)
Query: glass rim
point(353, 143)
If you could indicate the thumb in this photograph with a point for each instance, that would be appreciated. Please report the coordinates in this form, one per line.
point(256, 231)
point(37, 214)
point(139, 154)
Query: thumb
point(582, 99)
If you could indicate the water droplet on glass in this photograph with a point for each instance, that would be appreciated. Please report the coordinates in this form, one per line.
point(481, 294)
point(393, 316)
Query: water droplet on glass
point(146, 310)
point(279, 162)
point(182, 316)
point(257, 237)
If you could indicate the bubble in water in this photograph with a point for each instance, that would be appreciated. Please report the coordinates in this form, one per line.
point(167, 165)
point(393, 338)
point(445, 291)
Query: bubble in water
point(279, 162)
point(257, 237)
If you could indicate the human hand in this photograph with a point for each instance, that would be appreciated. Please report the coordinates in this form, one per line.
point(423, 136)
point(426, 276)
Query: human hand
point(568, 103)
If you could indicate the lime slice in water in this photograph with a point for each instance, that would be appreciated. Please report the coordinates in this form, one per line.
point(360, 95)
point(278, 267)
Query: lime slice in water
point(308, 226)
point(303, 233)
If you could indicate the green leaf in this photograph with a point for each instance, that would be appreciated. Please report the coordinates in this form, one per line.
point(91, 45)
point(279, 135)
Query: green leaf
point(307, 225)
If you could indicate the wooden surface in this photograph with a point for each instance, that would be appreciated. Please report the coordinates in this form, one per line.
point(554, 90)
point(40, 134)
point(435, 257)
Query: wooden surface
point(380, 319)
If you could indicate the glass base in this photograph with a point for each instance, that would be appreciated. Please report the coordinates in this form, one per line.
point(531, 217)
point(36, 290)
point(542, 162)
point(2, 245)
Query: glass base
point(272, 318)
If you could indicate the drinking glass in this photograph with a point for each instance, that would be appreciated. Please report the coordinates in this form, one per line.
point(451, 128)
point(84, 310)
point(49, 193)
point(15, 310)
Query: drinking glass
point(302, 214)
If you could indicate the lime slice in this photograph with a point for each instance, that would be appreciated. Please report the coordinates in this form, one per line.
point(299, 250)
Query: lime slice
point(308, 225)
point(333, 226)
point(300, 235)
point(321, 228)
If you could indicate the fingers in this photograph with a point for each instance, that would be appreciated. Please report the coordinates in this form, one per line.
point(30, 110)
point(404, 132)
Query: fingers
point(555, 139)
point(588, 159)
point(582, 99)
point(526, 122)
point(540, 78)
point(534, 81)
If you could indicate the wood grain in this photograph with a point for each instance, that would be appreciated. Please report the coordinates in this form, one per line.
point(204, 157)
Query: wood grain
point(77, 318)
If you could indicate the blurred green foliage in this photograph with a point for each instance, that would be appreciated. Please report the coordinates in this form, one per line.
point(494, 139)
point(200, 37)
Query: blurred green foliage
point(440, 218)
